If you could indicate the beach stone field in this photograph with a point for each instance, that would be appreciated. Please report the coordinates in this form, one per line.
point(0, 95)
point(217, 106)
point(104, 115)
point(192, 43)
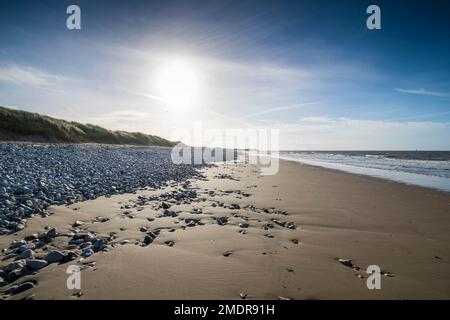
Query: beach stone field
point(34, 177)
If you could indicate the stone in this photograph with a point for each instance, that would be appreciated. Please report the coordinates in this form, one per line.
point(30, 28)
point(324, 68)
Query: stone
point(9, 256)
point(346, 262)
point(29, 246)
point(100, 244)
point(36, 264)
point(164, 205)
point(290, 225)
point(87, 253)
point(54, 256)
point(71, 255)
point(280, 223)
point(15, 265)
point(227, 253)
point(170, 213)
point(89, 237)
point(169, 243)
point(21, 288)
point(17, 243)
point(31, 237)
point(148, 239)
point(221, 221)
point(52, 233)
point(76, 242)
point(3, 282)
point(25, 254)
point(77, 224)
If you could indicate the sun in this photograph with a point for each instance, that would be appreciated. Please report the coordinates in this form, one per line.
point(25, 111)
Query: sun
point(178, 84)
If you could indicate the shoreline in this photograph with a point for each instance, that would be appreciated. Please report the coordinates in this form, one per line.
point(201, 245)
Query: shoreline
point(405, 177)
point(333, 214)
point(423, 188)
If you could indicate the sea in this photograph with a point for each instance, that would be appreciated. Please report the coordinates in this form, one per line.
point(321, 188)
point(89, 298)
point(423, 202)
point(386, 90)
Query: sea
point(430, 169)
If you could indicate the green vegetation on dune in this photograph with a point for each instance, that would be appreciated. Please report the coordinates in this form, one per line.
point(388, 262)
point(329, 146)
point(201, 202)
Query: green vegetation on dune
point(18, 125)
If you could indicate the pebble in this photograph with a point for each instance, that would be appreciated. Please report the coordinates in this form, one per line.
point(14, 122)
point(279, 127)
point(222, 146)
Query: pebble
point(243, 295)
point(169, 243)
point(77, 224)
point(170, 213)
point(36, 264)
point(17, 243)
point(3, 282)
point(87, 253)
point(76, 241)
point(192, 222)
point(31, 237)
point(222, 221)
point(89, 237)
point(20, 288)
point(290, 225)
point(25, 247)
point(9, 256)
point(164, 205)
point(25, 254)
point(54, 256)
point(148, 239)
point(52, 233)
point(15, 265)
point(100, 244)
point(71, 255)
point(346, 262)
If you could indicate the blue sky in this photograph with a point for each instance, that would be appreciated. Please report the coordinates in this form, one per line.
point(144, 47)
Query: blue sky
point(308, 68)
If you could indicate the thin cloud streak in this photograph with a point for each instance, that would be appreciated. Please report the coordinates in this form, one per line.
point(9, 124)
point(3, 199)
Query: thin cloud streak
point(283, 108)
point(422, 92)
point(28, 76)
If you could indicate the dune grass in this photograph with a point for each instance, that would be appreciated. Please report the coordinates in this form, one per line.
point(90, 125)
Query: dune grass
point(18, 125)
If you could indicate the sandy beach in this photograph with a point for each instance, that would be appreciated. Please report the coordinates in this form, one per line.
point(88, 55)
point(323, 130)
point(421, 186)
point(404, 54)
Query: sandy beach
point(249, 236)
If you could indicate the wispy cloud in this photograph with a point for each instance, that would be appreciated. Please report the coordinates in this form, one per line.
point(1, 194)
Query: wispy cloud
point(283, 108)
point(28, 76)
point(422, 92)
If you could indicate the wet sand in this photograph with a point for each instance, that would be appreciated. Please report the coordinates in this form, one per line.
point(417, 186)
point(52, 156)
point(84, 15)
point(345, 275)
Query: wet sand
point(320, 216)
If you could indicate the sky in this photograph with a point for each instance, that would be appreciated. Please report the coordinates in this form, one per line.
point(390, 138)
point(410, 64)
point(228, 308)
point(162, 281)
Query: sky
point(181, 69)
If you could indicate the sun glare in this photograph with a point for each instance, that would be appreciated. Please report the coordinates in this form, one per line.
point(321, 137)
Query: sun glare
point(178, 84)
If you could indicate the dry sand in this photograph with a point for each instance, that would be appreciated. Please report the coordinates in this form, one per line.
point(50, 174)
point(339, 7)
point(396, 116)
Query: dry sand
point(403, 229)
